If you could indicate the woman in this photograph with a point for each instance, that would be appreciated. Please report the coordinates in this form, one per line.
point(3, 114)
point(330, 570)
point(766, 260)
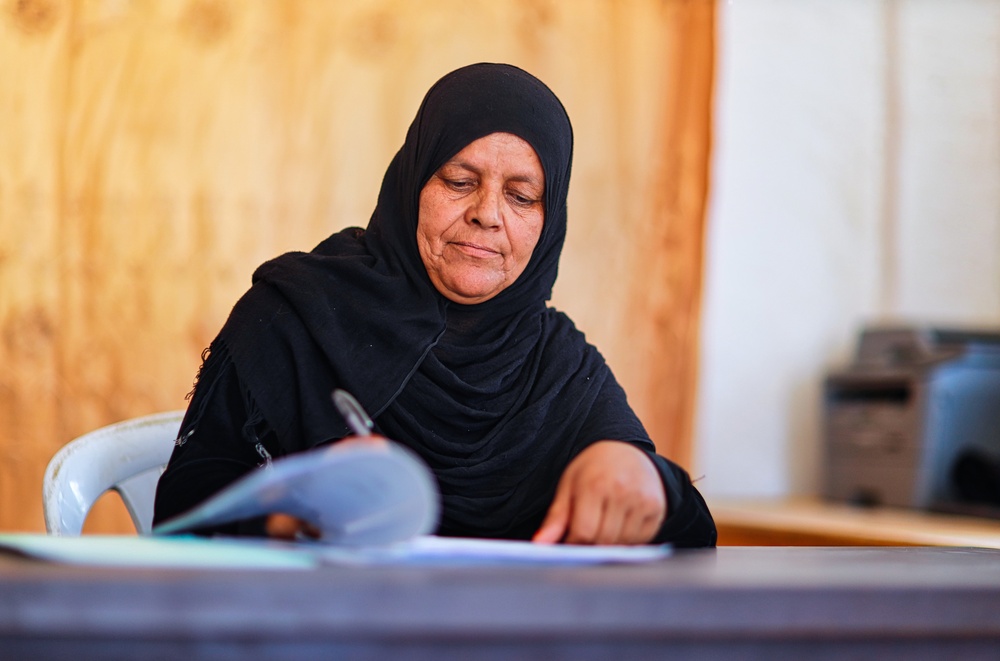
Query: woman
point(435, 318)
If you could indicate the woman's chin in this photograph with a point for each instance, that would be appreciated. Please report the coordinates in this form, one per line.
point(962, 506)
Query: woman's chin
point(470, 291)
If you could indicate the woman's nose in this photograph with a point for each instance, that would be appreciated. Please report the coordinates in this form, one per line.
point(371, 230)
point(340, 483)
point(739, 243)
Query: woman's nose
point(486, 211)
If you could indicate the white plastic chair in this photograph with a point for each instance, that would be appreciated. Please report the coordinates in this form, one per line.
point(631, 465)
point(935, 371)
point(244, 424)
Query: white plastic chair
point(127, 457)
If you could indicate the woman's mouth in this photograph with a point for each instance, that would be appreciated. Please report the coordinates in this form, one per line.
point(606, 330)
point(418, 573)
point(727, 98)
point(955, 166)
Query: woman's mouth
point(475, 249)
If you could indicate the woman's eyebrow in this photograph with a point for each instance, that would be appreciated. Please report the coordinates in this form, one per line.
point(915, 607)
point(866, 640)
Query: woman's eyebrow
point(528, 179)
point(461, 164)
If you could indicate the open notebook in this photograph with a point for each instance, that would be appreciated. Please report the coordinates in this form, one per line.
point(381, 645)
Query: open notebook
point(358, 493)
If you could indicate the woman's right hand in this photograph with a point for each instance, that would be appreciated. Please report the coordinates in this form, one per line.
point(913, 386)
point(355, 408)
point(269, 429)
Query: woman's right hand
point(286, 526)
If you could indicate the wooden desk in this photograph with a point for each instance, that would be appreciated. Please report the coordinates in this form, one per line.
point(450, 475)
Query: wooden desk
point(813, 522)
point(774, 603)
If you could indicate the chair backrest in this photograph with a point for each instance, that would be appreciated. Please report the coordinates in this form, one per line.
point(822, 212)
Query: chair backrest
point(127, 457)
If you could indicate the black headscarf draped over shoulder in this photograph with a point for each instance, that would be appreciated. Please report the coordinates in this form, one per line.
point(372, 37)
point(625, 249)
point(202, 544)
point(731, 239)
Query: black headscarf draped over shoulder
point(497, 397)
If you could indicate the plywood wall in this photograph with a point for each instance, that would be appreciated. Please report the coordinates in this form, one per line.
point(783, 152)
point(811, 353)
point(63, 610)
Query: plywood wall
point(153, 153)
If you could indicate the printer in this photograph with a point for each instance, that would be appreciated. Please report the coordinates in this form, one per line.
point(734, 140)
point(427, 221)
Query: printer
point(914, 421)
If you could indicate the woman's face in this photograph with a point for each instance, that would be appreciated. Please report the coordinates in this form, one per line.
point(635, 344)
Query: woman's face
point(480, 217)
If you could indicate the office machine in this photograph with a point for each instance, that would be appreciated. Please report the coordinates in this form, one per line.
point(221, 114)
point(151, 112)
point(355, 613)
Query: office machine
point(914, 421)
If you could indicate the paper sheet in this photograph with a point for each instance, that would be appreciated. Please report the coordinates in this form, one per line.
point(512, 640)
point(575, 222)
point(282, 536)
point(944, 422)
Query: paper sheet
point(181, 552)
point(356, 495)
point(432, 550)
point(187, 552)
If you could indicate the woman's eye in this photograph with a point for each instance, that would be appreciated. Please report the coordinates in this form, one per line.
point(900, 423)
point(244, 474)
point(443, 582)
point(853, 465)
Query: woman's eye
point(458, 184)
point(521, 200)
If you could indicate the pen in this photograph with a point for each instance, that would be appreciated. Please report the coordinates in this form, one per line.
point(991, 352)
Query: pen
point(351, 410)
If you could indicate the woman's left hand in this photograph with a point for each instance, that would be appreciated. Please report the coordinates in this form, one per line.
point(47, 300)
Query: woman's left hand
point(611, 493)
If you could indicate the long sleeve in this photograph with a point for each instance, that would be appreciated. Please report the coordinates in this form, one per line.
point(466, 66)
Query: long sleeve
point(688, 524)
point(213, 449)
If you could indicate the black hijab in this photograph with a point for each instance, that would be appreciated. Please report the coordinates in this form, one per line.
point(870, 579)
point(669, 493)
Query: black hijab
point(497, 397)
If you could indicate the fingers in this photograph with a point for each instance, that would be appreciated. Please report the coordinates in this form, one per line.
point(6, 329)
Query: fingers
point(368, 441)
point(284, 526)
point(598, 518)
point(553, 528)
point(592, 521)
point(610, 493)
point(612, 523)
point(640, 529)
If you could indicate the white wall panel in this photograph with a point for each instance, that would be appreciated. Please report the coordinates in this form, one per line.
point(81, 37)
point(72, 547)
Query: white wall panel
point(827, 213)
point(949, 205)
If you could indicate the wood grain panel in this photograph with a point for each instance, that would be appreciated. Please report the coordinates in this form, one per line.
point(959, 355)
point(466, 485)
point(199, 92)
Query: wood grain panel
point(152, 154)
point(666, 293)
